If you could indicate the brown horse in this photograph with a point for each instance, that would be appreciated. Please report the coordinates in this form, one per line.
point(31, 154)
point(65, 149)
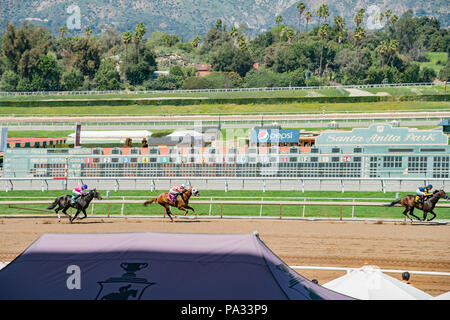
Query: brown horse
point(163, 200)
point(428, 205)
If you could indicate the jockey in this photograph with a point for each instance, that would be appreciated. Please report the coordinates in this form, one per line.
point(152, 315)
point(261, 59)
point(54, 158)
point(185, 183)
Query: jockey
point(78, 192)
point(176, 191)
point(422, 193)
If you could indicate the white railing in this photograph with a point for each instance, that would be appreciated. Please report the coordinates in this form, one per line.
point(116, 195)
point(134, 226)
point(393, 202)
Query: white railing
point(430, 84)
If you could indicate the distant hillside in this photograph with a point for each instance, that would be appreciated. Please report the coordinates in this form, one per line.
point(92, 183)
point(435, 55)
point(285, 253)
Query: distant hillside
point(188, 18)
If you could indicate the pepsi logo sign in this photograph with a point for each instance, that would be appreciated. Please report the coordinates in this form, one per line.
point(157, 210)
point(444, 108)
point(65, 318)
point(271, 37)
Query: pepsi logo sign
point(263, 135)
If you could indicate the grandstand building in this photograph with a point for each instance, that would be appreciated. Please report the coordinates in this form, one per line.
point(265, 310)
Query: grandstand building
point(378, 151)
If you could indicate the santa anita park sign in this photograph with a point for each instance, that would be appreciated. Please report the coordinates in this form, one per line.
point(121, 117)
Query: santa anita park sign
point(382, 135)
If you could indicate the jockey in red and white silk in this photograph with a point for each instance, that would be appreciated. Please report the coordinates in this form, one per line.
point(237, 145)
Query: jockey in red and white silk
point(176, 191)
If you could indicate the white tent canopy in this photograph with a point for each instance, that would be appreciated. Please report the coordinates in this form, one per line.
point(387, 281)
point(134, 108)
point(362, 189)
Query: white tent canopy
point(444, 296)
point(112, 135)
point(369, 283)
point(184, 133)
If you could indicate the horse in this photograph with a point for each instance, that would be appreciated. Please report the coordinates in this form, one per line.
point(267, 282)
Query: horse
point(163, 200)
point(428, 205)
point(63, 202)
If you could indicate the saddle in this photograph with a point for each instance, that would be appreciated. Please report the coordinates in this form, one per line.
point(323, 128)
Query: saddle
point(172, 198)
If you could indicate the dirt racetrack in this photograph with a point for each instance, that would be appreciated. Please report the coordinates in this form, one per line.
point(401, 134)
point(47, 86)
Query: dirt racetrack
point(388, 245)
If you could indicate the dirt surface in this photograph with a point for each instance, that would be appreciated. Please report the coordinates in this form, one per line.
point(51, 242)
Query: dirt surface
point(388, 245)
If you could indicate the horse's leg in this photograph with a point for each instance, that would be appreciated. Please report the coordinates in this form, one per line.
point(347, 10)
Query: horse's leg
point(56, 210)
point(405, 213)
point(168, 212)
point(424, 215)
point(65, 212)
point(84, 213)
point(411, 212)
point(75, 216)
point(434, 215)
point(188, 207)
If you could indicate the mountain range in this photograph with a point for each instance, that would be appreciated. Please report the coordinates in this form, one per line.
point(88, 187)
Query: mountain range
point(188, 18)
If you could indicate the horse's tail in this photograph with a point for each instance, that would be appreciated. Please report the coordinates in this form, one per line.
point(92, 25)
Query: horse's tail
point(150, 201)
point(54, 204)
point(393, 203)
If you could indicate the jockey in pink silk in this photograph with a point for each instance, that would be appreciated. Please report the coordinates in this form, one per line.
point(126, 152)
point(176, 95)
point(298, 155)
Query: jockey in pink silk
point(176, 191)
point(78, 192)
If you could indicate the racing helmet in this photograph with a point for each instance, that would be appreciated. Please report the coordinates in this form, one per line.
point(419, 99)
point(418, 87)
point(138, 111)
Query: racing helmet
point(84, 186)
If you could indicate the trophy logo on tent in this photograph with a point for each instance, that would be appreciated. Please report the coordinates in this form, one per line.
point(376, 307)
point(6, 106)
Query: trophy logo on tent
point(126, 287)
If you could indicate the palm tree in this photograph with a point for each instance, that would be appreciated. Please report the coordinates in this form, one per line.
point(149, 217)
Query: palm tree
point(288, 32)
point(388, 14)
point(242, 43)
point(392, 49)
point(300, 8)
point(196, 41)
point(233, 34)
point(340, 23)
point(278, 20)
point(323, 12)
point(63, 30)
point(138, 36)
point(382, 50)
point(88, 32)
point(126, 38)
point(359, 17)
point(308, 16)
point(323, 34)
point(359, 34)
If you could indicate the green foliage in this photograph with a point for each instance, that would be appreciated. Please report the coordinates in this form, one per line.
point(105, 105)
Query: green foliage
point(71, 80)
point(140, 65)
point(107, 77)
point(32, 59)
point(86, 52)
point(9, 81)
point(163, 82)
point(224, 80)
point(228, 58)
point(196, 83)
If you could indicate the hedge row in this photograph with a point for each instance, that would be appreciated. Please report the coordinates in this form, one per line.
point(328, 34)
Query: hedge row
point(197, 101)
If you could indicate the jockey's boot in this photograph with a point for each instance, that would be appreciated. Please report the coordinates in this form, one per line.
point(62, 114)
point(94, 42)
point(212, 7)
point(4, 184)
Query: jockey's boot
point(74, 200)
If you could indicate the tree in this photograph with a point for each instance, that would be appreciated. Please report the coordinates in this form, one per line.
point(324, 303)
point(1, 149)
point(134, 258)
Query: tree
point(339, 23)
point(107, 77)
point(308, 16)
point(138, 36)
point(9, 82)
point(392, 49)
point(196, 83)
point(126, 39)
point(278, 20)
point(323, 13)
point(62, 31)
point(287, 32)
point(382, 49)
point(300, 8)
point(359, 17)
point(48, 72)
point(323, 34)
point(228, 58)
point(71, 80)
point(23, 47)
point(358, 35)
point(139, 70)
point(196, 41)
point(88, 32)
point(86, 56)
